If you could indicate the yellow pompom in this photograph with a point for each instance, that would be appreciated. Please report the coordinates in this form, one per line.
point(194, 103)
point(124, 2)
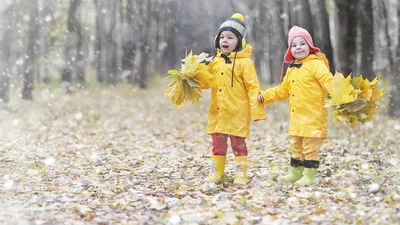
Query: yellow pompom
point(238, 16)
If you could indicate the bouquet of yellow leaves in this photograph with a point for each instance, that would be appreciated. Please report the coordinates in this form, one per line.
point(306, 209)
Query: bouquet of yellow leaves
point(353, 99)
point(188, 80)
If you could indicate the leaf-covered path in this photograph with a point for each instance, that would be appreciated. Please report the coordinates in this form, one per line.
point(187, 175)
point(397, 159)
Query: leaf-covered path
point(127, 156)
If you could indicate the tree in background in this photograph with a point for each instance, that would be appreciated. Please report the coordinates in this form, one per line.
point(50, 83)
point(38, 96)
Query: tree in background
point(366, 25)
point(277, 41)
point(394, 102)
point(322, 34)
point(73, 44)
point(31, 52)
point(5, 50)
point(301, 15)
point(143, 47)
point(347, 33)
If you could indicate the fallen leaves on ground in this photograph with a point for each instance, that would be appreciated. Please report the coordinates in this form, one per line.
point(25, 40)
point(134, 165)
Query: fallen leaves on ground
point(123, 156)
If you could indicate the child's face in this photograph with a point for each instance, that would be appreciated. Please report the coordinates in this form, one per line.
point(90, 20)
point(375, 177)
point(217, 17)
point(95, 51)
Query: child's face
point(228, 41)
point(299, 48)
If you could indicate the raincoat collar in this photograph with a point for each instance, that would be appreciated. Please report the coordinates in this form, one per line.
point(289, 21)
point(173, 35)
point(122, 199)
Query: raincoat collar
point(244, 53)
point(319, 56)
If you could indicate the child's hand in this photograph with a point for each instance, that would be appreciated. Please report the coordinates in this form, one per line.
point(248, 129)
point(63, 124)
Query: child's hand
point(260, 98)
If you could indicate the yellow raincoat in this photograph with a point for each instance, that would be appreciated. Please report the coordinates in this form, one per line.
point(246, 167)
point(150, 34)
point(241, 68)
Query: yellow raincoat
point(232, 108)
point(305, 88)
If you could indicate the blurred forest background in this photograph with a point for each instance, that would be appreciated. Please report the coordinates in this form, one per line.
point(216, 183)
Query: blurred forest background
point(78, 42)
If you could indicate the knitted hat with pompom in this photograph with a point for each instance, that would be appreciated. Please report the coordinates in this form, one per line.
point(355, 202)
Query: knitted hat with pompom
point(237, 26)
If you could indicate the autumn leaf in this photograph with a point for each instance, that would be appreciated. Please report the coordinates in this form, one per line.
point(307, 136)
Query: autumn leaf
point(341, 89)
point(355, 106)
point(175, 92)
point(319, 210)
point(192, 75)
point(353, 99)
point(376, 94)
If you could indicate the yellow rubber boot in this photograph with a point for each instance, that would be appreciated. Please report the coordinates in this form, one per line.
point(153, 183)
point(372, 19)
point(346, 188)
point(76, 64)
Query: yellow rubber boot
point(217, 169)
point(294, 175)
point(241, 170)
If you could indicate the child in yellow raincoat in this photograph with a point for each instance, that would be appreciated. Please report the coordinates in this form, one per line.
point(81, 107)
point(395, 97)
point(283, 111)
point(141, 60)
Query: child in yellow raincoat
point(233, 100)
point(304, 85)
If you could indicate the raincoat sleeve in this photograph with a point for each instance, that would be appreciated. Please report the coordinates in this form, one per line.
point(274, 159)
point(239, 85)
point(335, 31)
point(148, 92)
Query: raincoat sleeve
point(323, 75)
point(253, 88)
point(208, 78)
point(277, 93)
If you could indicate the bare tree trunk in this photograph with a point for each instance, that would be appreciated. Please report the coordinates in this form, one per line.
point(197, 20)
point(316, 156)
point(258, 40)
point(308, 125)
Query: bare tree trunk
point(29, 73)
point(257, 32)
point(263, 69)
point(287, 9)
point(392, 64)
point(348, 31)
point(99, 41)
point(80, 57)
point(394, 102)
point(154, 43)
point(110, 46)
point(302, 15)
point(277, 42)
point(323, 38)
point(171, 54)
point(367, 39)
point(5, 52)
point(145, 13)
point(135, 45)
point(118, 38)
point(74, 37)
point(129, 44)
point(42, 72)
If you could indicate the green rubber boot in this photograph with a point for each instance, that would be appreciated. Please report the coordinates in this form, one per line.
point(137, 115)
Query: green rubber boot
point(218, 169)
point(308, 178)
point(310, 171)
point(294, 175)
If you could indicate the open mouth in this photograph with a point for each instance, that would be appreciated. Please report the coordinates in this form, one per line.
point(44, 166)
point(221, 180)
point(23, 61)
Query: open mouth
point(225, 46)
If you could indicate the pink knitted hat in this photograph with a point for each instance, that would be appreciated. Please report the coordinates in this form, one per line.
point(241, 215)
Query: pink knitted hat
point(295, 32)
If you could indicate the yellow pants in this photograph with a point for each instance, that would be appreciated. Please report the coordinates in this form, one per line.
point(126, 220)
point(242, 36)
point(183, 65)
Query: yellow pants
point(306, 148)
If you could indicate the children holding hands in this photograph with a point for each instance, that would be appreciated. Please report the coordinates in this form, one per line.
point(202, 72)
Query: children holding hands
point(236, 99)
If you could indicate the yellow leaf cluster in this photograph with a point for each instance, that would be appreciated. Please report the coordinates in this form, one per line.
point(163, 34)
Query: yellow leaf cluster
point(353, 99)
point(188, 80)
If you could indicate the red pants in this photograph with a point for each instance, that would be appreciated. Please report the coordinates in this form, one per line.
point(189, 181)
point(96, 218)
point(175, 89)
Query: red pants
point(220, 144)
